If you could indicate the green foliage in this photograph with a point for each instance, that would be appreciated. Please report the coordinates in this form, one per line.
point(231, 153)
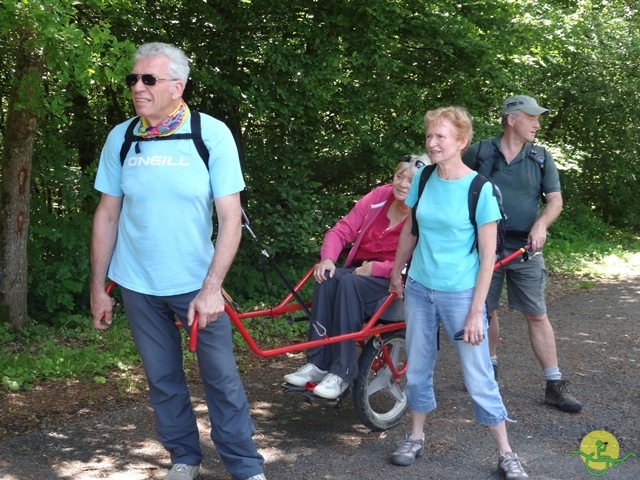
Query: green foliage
point(79, 353)
point(61, 208)
point(588, 82)
point(270, 333)
point(580, 244)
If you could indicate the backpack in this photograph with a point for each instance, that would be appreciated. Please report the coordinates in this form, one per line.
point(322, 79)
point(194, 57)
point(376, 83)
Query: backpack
point(195, 135)
point(487, 150)
point(472, 201)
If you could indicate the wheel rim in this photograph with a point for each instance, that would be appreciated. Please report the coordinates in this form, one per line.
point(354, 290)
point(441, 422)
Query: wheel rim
point(385, 398)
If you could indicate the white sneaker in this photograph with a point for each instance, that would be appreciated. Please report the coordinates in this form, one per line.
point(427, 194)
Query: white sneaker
point(330, 387)
point(182, 471)
point(308, 373)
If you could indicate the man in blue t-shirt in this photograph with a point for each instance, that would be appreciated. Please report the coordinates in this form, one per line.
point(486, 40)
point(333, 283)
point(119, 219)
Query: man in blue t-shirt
point(524, 175)
point(152, 235)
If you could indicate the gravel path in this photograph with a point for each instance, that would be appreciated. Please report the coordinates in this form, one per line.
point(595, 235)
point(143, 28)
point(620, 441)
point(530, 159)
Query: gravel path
point(598, 337)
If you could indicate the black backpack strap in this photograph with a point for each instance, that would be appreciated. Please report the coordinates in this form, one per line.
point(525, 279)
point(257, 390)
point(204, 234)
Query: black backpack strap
point(537, 154)
point(196, 135)
point(472, 200)
point(486, 150)
point(424, 176)
point(129, 138)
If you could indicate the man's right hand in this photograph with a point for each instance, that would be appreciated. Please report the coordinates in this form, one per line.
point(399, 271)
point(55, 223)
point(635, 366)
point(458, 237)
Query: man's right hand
point(102, 309)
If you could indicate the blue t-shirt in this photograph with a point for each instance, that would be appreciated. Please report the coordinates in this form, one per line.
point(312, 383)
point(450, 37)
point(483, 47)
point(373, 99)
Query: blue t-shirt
point(443, 258)
point(164, 242)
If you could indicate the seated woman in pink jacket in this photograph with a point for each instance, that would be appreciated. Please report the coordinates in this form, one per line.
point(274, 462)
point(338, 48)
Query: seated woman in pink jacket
point(344, 297)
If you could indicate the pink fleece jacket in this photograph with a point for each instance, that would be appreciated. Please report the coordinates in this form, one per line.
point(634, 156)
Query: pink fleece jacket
point(353, 226)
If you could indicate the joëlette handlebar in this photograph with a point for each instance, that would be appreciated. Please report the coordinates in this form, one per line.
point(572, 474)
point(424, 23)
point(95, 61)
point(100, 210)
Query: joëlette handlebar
point(503, 261)
point(193, 336)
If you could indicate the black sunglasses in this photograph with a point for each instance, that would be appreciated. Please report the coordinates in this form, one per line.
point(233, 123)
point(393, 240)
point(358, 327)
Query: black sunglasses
point(418, 163)
point(147, 79)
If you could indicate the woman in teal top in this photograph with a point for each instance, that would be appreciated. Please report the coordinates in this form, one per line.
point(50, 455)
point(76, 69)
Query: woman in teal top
point(448, 282)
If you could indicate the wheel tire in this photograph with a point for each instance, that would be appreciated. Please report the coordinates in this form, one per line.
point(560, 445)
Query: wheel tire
point(379, 401)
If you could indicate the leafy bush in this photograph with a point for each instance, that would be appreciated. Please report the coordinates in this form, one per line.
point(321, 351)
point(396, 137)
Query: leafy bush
point(582, 244)
point(43, 353)
point(62, 205)
point(270, 333)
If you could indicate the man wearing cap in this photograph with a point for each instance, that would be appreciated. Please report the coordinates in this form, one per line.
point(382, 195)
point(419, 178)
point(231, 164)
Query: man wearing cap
point(526, 176)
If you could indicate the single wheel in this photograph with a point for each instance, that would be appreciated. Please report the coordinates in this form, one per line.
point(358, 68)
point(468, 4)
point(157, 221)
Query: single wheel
point(379, 399)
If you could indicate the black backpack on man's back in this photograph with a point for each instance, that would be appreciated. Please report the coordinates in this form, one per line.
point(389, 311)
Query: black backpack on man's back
point(472, 200)
point(487, 150)
point(195, 136)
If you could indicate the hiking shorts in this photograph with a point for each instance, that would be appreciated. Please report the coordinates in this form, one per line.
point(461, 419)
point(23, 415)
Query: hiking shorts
point(526, 283)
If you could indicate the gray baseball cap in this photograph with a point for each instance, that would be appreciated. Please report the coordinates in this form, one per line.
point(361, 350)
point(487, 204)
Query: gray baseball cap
point(523, 103)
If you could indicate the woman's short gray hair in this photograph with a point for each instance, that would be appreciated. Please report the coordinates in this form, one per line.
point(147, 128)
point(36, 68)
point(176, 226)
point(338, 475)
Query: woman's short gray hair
point(178, 61)
point(413, 162)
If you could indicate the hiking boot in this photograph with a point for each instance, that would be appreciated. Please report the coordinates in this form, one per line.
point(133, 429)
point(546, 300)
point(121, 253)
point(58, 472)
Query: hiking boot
point(511, 467)
point(308, 373)
point(182, 471)
point(407, 451)
point(556, 394)
point(258, 477)
point(330, 387)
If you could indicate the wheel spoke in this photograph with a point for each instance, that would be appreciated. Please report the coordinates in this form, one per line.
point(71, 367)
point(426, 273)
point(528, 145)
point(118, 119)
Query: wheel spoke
point(380, 382)
point(395, 354)
point(396, 391)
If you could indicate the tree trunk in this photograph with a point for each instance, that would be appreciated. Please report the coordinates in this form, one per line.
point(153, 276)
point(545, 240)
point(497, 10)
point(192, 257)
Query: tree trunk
point(19, 140)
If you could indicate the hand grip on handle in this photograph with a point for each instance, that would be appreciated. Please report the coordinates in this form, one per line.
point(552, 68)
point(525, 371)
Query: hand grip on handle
point(110, 286)
point(193, 337)
point(502, 262)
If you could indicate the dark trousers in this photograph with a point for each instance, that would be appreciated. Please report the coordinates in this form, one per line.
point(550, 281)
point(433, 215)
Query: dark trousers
point(341, 304)
point(151, 320)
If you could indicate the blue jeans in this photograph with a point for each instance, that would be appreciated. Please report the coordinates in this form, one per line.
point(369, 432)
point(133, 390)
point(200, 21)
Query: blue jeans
point(424, 310)
point(151, 320)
